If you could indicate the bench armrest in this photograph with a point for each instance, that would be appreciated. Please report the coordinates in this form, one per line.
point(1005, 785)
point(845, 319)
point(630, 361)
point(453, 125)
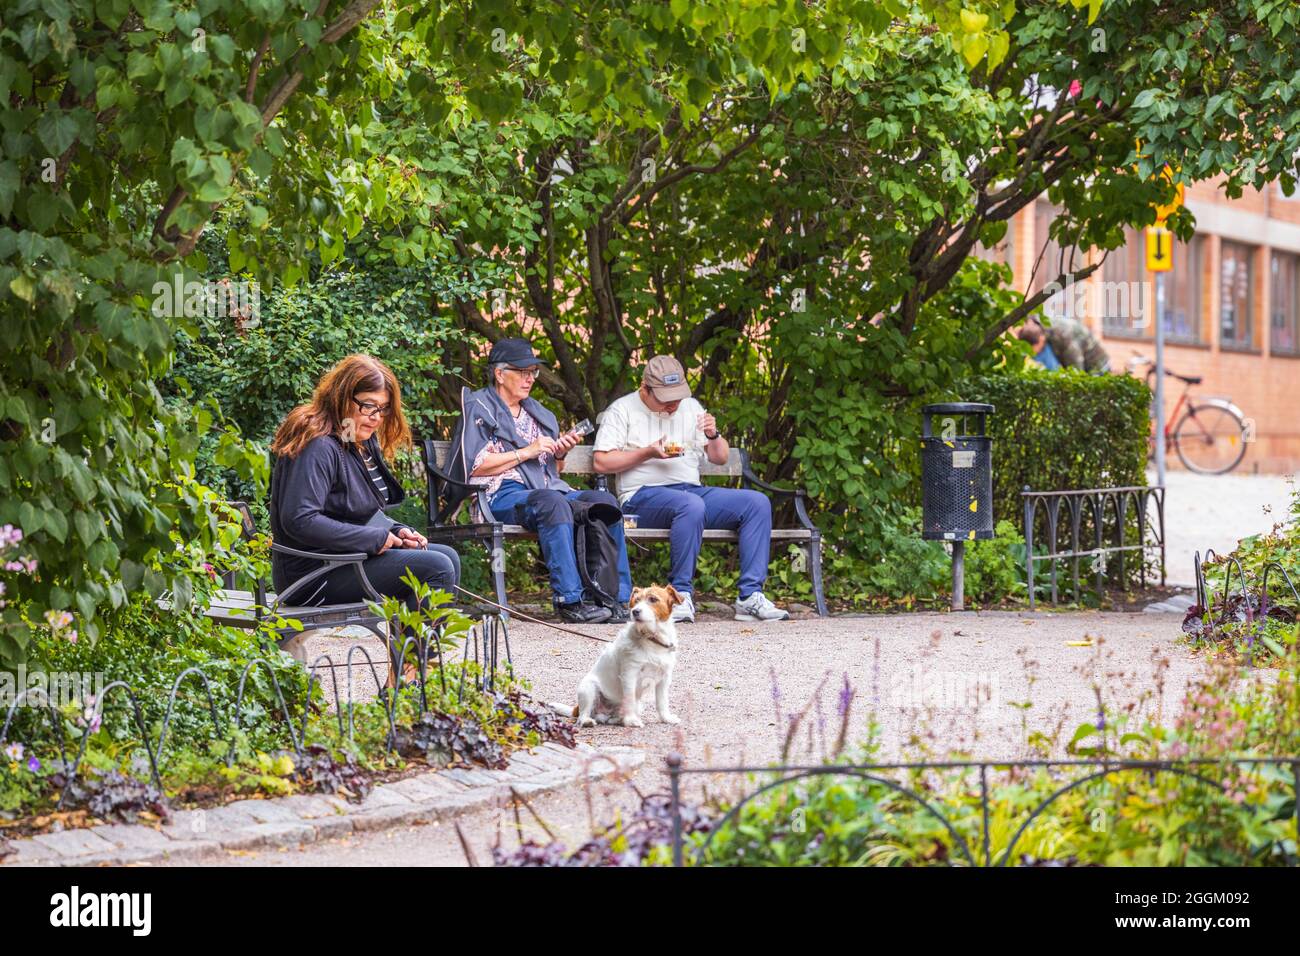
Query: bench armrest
point(799, 495)
point(351, 557)
point(751, 479)
point(478, 491)
point(331, 561)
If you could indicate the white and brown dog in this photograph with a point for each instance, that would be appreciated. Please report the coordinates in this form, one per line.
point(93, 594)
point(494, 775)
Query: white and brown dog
point(641, 657)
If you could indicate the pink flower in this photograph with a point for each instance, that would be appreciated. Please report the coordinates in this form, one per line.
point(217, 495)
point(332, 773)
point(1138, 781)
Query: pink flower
point(1075, 89)
point(212, 572)
point(14, 751)
point(58, 620)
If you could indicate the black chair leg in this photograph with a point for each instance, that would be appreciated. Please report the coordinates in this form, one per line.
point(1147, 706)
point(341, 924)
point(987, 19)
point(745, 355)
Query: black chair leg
point(498, 558)
point(815, 560)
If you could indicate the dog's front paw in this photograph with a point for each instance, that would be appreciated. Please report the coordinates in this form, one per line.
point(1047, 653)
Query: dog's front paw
point(586, 722)
point(670, 718)
point(633, 721)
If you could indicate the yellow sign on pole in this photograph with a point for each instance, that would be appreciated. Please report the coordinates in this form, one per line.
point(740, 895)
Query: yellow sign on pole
point(1164, 212)
point(1160, 249)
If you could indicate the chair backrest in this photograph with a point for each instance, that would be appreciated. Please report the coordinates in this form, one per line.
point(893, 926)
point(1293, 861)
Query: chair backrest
point(579, 461)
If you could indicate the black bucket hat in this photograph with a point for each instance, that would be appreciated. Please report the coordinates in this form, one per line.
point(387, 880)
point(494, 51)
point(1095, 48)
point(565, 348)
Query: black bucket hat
point(516, 352)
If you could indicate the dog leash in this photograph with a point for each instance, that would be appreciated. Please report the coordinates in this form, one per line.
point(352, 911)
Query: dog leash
point(529, 617)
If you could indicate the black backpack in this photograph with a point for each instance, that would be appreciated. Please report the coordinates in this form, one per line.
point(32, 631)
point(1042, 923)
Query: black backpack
point(596, 552)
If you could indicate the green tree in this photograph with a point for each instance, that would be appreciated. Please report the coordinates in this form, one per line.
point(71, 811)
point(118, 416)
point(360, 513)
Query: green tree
point(127, 125)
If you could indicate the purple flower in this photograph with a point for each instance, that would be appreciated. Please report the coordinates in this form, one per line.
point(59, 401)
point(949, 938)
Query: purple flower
point(776, 695)
point(33, 765)
point(845, 697)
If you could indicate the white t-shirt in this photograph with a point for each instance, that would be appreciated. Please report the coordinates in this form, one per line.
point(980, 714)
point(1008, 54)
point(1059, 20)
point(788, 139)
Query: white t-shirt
point(627, 424)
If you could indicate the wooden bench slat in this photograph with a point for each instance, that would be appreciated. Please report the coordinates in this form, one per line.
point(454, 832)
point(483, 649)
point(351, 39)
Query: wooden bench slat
point(661, 534)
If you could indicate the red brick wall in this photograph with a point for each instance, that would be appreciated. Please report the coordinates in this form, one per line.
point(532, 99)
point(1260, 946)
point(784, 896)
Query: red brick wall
point(1266, 387)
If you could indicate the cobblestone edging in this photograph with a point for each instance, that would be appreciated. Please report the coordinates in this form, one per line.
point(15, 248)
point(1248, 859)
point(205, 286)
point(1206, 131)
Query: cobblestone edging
point(292, 821)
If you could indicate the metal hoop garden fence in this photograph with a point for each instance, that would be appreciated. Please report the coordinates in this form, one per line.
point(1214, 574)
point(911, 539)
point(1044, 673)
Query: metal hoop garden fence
point(483, 644)
point(784, 776)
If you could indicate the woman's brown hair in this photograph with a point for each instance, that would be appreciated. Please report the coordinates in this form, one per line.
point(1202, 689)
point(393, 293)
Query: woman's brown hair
point(331, 407)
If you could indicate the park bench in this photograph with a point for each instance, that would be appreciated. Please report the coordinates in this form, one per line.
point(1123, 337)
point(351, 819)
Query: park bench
point(248, 609)
point(444, 527)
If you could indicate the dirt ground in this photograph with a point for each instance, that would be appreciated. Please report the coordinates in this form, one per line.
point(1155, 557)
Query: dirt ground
point(934, 682)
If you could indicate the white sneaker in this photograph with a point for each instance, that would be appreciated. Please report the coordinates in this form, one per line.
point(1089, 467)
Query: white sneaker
point(757, 607)
point(684, 611)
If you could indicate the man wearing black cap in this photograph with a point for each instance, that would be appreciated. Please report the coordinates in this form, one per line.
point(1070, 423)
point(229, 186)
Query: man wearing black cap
point(653, 440)
point(514, 446)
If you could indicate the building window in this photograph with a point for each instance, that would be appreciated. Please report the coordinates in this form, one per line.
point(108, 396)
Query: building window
point(1284, 320)
point(1182, 315)
point(1236, 298)
point(1123, 293)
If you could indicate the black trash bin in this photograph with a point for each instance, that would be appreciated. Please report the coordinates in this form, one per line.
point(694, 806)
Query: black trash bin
point(956, 480)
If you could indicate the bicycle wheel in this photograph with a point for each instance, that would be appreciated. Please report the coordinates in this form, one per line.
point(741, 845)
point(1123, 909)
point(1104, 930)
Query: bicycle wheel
point(1210, 439)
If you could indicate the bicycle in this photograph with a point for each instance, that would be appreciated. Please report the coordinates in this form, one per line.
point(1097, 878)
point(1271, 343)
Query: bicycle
point(1211, 434)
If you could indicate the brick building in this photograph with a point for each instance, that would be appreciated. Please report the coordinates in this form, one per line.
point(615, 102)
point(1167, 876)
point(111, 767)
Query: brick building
point(1232, 306)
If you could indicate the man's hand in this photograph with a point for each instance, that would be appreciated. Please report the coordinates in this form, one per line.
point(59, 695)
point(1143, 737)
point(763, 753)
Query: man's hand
point(657, 450)
point(392, 541)
point(412, 538)
point(707, 423)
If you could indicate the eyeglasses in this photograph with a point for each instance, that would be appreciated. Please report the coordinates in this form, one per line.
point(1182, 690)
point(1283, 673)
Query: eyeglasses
point(371, 410)
point(529, 372)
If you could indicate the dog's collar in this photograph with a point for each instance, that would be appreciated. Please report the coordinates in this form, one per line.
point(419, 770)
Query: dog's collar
point(652, 638)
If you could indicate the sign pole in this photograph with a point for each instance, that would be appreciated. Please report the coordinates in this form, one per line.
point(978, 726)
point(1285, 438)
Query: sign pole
point(1160, 258)
point(1160, 378)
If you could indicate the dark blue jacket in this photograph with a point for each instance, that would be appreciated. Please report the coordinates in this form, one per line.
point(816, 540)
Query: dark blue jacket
point(485, 418)
point(322, 500)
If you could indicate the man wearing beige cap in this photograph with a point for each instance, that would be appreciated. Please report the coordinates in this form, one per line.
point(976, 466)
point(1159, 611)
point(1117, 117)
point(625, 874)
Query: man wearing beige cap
point(652, 440)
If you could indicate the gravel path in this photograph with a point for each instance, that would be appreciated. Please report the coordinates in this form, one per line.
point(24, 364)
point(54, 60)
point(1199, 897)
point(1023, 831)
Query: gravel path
point(944, 681)
point(1215, 511)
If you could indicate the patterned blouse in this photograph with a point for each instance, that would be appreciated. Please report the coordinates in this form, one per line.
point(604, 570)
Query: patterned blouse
point(529, 431)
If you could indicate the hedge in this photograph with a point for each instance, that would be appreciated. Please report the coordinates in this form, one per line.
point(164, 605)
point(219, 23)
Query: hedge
point(1060, 430)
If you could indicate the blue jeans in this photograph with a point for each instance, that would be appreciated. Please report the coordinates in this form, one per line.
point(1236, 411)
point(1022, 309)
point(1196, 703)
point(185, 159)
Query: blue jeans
point(548, 513)
point(686, 510)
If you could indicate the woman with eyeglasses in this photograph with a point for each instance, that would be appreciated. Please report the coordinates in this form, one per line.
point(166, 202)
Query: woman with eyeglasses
point(332, 483)
point(514, 446)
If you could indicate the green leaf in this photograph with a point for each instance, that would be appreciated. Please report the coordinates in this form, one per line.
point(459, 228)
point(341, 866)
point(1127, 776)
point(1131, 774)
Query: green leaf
point(56, 523)
point(10, 180)
point(57, 130)
point(973, 48)
point(132, 574)
point(22, 286)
